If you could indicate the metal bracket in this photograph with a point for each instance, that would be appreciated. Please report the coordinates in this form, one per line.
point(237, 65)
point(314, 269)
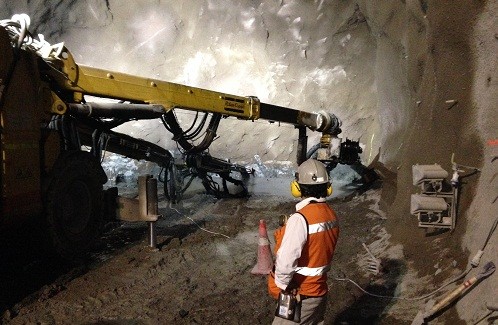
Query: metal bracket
point(145, 208)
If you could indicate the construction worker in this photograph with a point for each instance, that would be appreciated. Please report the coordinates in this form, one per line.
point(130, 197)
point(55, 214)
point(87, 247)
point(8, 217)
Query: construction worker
point(305, 246)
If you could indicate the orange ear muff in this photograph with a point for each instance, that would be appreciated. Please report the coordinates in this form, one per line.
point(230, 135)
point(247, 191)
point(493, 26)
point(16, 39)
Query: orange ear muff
point(329, 190)
point(295, 190)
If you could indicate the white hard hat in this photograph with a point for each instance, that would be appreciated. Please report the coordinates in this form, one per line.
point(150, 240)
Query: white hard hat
point(312, 172)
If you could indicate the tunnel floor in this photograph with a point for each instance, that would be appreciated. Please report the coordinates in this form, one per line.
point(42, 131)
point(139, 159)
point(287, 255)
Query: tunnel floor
point(200, 272)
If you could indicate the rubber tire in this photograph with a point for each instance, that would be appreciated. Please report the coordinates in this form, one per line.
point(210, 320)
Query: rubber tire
point(74, 204)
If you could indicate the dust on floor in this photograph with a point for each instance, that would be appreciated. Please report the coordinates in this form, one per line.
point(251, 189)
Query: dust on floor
point(201, 272)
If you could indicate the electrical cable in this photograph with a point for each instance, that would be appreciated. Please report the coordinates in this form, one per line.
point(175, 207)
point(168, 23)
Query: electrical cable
point(477, 258)
point(201, 228)
point(346, 279)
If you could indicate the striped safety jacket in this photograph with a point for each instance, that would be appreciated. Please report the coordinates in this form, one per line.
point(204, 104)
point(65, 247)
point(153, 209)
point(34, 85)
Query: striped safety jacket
point(310, 275)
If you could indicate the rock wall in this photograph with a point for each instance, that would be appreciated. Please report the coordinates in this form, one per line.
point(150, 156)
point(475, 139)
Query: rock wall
point(439, 60)
point(483, 211)
point(386, 68)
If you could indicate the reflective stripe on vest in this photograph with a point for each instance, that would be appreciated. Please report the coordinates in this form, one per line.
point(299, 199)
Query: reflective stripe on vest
point(312, 271)
point(322, 226)
point(313, 229)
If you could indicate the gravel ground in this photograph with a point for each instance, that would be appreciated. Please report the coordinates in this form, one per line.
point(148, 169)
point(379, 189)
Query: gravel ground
point(200, 272)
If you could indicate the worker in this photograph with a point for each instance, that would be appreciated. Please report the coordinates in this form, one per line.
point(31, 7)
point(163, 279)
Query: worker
point(304, 247)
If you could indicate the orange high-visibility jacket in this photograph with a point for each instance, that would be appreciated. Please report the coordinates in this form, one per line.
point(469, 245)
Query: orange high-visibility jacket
point(317, 253)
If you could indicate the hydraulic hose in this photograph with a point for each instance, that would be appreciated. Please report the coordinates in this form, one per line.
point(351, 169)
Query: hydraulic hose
point(179, 136)
point(198, 130)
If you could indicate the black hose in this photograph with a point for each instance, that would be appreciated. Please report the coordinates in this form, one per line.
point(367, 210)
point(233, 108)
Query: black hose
point(193, 123)
point(163, 119)
point(198, 129)
point(171, 123)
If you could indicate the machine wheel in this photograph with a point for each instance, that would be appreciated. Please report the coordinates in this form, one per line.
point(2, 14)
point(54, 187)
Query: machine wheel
point(74, 203)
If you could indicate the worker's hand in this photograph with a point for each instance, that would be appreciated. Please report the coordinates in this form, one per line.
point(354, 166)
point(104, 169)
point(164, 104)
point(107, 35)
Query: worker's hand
point(292, 291)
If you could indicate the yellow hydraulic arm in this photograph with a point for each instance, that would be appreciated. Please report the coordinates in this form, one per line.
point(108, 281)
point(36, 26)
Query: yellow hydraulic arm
point(84, 80)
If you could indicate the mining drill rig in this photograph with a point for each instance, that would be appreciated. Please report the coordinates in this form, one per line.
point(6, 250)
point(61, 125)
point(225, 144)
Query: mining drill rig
point(52, 137)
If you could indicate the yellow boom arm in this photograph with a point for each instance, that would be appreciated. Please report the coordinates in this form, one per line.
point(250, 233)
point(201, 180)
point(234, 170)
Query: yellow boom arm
point(84, 80)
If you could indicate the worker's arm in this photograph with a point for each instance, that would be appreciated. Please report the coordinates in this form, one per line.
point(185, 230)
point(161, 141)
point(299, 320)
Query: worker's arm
point(295, 237)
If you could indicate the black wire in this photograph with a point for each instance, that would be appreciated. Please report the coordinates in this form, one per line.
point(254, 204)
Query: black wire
point(192, 125)
point(198, 129)
point(185, 136)
point(200, 136)
point(165, 124)
point(180, 149)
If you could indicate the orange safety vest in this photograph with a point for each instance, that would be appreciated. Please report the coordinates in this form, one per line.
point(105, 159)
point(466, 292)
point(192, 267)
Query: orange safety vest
point(311, 272)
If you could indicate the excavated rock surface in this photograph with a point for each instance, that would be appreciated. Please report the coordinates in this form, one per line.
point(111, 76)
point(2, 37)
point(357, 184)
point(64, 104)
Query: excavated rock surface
point(389, 69)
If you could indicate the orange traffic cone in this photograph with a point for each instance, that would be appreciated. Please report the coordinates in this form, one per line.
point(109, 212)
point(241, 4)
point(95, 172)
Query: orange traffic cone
point(265, 259)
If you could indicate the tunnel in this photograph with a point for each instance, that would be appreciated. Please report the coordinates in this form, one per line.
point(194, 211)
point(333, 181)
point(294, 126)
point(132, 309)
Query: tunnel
point(413, 81)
